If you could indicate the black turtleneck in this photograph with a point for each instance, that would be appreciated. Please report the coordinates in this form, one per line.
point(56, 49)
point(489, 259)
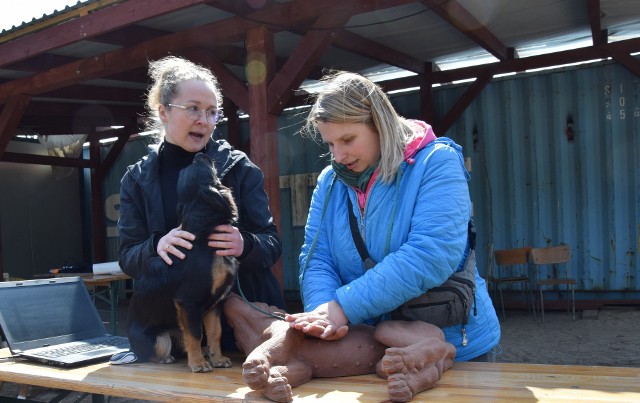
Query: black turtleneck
point(172, 159)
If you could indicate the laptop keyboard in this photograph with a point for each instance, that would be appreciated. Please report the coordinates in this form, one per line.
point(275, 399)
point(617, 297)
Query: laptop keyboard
point(83, 347)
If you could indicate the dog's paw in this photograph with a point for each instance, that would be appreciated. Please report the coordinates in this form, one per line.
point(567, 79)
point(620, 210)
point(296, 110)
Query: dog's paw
point(200, 365)
point(220, 362)
point(166, 360)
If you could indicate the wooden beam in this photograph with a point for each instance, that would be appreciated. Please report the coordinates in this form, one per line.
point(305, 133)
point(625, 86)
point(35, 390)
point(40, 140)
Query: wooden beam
point(40, 62)
point(230, 84)
point(22, 158)
point(264, 125)
point(535, 62)
point(314, 44)
point(629, 62)
point(465, 100)
point(79, 93)
point(106, 114)
point(85, 27)
point(105, 166)
point(278, 15)
point(117, 61)
point(55, 117)
point(615, 50)
point(233, 125)
point(458, 16)
point(57, 19)
point(226, 32)
point(129, 35)
point(98, 226)
point(427, 107)
point(594, 23)
point(10, 117)
point(359, 45)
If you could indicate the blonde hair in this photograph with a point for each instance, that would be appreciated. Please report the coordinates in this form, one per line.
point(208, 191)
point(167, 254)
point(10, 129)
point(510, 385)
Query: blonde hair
point(351, 98)
point(166, 75)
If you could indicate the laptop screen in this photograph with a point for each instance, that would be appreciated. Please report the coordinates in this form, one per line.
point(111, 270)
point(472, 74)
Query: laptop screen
point(35, 313)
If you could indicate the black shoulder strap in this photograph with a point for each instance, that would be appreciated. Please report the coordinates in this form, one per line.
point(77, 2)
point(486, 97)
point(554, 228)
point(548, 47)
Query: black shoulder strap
point(362, 250)
point(472, 235)
point(357, 238)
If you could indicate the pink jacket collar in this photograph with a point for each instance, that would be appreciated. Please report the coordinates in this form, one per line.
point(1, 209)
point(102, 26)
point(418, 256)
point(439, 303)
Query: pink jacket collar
point(419, 141)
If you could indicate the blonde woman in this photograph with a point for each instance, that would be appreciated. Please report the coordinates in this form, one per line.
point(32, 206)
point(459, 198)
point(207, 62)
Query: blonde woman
point(184, 103)
point(411, 201)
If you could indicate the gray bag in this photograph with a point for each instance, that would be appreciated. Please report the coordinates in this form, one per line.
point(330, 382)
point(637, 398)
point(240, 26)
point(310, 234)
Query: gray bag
point(446, 305)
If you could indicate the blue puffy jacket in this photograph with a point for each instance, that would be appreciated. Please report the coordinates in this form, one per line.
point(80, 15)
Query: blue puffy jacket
point(416, 228)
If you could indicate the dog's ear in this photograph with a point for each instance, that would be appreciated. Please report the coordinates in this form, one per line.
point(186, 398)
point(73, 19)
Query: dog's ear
point(221, 199)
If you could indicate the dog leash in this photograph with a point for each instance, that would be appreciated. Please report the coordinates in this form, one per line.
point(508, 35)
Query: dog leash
point(277, 315)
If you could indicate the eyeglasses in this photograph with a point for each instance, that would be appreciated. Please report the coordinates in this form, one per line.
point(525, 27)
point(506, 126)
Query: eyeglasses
point(194, 112)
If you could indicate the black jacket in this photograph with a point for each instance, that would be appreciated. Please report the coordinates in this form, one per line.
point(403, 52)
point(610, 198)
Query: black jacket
point(142, 221)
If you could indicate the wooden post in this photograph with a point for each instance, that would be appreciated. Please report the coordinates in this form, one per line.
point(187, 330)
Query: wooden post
point(263, 125)
point(97, 203)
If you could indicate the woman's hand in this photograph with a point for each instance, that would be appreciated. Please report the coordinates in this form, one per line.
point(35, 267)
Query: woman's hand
point(167, 244)
point(326, 322)
point(228, 241)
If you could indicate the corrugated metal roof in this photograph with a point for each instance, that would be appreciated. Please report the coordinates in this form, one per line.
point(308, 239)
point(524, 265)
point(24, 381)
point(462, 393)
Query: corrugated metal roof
point(530, 28)
point(82, 7)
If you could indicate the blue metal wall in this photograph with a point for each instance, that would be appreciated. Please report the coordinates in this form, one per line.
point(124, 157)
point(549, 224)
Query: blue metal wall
point(531, 186)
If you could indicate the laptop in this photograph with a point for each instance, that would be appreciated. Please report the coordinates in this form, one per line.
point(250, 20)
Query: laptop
point(54, 321)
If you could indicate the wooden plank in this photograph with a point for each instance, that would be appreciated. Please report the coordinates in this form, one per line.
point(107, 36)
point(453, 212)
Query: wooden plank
point(302, 60)
point(466, 382)
point(263, 140)
point(455, 14)
point(544, 60)
point(594, 22)
point(465, 100)
point(23, 158)
point(228, 31)
point(629, 62)
point(230, 85)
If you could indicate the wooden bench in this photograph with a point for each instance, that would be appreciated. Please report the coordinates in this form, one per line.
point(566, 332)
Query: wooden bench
point(472, 381)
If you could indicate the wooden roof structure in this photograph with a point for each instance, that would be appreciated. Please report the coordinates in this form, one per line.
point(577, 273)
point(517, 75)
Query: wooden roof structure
point(85, 67)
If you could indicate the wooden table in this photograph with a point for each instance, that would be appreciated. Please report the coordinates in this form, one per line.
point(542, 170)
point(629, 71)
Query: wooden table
point(466, 382)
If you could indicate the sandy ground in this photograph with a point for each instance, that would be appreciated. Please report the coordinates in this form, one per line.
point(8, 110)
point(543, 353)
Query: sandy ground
point(606, 337)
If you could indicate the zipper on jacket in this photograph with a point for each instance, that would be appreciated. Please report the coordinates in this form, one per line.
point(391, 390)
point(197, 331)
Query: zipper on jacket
point(363, 211)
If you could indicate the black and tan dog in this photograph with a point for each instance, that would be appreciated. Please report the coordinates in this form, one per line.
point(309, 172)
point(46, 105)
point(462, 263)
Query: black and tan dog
point(171, 303)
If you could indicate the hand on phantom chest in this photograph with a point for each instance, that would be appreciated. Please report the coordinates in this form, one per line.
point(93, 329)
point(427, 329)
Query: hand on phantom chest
point(327, 322)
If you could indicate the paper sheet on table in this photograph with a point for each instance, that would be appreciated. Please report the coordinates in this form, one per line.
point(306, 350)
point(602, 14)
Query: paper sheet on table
point(107, 268)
